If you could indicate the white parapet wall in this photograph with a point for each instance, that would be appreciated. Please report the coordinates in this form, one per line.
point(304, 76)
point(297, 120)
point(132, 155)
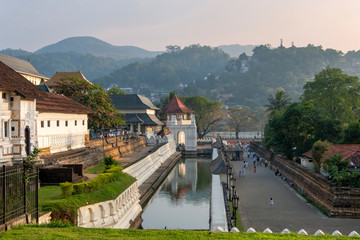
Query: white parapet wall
point(144, 168)
point(117, 213)
point(217, 203)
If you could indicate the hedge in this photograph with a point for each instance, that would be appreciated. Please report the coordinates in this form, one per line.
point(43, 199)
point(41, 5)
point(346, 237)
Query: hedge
point(108, 176)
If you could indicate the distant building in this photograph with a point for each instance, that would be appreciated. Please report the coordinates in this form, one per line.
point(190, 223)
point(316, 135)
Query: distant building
point(140, 113)
point(181, 121)
point(64, 76)
point(32, 118)
point(350, 152)
point(24, 68)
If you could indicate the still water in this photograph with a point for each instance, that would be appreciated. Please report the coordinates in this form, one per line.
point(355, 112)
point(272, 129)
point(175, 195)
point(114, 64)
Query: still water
point(182, 201)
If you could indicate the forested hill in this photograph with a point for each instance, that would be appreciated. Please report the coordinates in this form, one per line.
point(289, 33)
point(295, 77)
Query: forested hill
point(251, 80)
point(96, 47)
point(166, 71)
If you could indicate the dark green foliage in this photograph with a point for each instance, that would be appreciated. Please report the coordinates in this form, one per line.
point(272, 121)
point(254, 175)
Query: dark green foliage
point(109, 161)
point(30, 162)
point(339, 173)
point(294, 130)
point(352, 133)
point(318, 151)
point(95, 97)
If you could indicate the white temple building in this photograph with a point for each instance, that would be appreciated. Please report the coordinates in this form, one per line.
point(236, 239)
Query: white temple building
point(181, 122)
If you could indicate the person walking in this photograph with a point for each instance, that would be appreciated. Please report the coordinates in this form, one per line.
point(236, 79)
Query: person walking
point(243, 172)
point(254, 168)
point(271, 202)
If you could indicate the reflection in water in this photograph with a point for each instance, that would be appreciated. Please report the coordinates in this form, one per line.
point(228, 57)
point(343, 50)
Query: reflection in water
point(182, 201)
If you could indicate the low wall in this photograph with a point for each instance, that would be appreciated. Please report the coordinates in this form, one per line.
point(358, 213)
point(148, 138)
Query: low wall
point(336, 201)
point(217, 204)
point(117, 213)
point(144, 168)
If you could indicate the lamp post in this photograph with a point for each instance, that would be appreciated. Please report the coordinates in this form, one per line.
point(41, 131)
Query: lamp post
point(229, 171)
point(235, 205)
point(232, 184)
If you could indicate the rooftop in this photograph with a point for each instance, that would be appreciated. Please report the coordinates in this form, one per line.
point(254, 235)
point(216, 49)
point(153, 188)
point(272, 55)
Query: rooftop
point(63, 76)
point(20, 66)
point(175, 105)
point(132, 101)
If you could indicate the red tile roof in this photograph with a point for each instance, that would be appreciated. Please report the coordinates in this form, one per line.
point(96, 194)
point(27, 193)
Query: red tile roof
point(349, 152)
point(175, 105)
point(45, 102)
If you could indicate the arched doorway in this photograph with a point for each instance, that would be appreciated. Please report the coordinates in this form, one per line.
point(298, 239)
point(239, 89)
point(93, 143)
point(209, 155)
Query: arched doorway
point(27, 140)
point(181, 138)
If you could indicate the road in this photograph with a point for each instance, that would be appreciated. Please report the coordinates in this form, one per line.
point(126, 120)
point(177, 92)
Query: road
point(290, 210)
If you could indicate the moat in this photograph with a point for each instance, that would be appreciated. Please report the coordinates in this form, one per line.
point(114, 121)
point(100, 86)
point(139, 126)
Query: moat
point(182, 201)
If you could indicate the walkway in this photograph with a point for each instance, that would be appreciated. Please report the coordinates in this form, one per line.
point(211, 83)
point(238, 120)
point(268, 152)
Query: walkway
point(290, 210)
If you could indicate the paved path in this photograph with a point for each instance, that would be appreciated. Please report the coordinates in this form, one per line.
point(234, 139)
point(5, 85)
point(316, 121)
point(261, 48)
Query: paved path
point(290, 209)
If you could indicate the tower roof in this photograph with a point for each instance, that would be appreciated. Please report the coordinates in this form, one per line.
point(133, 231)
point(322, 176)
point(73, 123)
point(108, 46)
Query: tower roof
point(175, 105)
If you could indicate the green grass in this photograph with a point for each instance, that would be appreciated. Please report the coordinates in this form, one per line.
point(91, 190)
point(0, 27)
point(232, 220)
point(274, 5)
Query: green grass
point(238, 220)
point(100, 168)
point(53, 232)
point(51, 199)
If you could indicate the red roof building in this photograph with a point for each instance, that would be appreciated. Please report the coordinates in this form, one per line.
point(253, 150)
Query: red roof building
point(175, 105)
point(349, 152)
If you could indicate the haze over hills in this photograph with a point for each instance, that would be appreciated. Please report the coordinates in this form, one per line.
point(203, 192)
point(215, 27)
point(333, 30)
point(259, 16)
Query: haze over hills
point(234, 50)
point(97, 48)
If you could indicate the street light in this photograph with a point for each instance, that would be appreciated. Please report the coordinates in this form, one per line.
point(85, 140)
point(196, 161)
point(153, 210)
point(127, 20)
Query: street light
point(235, 205)
point(232, 184)
point(229, 189)
point(229, 171)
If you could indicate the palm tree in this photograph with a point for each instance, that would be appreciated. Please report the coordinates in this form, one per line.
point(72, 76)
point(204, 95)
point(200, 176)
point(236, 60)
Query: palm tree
point(277, 103)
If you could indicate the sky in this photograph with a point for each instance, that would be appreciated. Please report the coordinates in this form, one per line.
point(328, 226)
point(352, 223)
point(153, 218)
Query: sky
point(154, 24)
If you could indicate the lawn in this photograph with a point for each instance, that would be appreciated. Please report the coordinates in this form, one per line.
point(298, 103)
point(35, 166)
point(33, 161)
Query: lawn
point(35, 232)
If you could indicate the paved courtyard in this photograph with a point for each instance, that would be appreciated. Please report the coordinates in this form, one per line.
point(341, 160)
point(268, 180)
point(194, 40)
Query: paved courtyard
point(290, 209)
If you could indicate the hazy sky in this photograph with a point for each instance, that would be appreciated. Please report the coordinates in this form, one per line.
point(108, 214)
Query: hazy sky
point(154, 24)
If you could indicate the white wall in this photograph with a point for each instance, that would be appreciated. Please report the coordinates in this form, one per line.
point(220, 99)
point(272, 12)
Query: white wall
point(58, 136)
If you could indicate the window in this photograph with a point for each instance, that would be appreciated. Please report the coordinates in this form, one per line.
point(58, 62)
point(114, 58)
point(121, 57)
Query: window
point(42, 124)
point(83, 122)
point(57, 123)
point(48, 123)
point(75, 122)
point(66, 123)
point(4, 95)
point(12, 129)
point(6, 129)
point(11, 99)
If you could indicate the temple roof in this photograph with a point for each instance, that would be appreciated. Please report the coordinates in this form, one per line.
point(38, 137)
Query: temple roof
point(21, 66)
point(10, 80)
point(132, 101)
point(175, 105)
point(62, 76)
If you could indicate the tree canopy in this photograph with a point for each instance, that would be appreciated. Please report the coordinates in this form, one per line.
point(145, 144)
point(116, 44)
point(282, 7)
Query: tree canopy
point(92, 95)
point(334, 93)
point(208, 113)
point(278, 102)
point(240, 120)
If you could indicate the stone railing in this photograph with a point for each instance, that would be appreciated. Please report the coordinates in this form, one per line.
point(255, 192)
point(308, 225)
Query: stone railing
point(154, 140)
point(117, 213)
point(336, 201)
point(145, 167)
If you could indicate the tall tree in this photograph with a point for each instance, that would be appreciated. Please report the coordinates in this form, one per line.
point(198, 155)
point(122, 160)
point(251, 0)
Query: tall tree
point(208, 113)
point(239, 119)
point(318, 151)
point(336, 94)
point(92, 95)
point(278, 102)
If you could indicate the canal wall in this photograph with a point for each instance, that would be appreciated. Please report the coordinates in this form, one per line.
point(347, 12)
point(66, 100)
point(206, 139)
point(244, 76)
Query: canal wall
point(125, 210)
point(336, 201)
point(117, 213)
point(218, 219)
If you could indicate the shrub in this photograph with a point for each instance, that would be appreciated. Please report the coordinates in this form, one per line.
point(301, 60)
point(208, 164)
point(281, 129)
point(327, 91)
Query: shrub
point(66, 189)
point(109, 160)
point(110, 175)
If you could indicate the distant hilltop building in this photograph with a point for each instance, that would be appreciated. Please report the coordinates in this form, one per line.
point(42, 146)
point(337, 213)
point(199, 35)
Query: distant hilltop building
point(64, 76)
point(24, 68)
